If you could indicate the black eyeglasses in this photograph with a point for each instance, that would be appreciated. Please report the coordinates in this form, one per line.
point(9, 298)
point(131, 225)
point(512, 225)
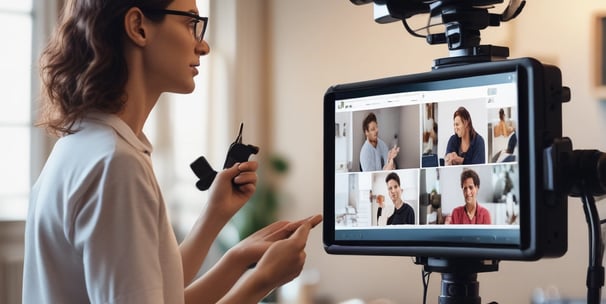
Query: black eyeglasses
point(198, 31)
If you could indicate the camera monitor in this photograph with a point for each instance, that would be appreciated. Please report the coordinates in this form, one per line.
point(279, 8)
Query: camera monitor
point(448, 163)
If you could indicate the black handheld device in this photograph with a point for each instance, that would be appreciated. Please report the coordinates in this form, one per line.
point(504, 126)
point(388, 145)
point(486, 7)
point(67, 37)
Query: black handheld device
point(238, 152)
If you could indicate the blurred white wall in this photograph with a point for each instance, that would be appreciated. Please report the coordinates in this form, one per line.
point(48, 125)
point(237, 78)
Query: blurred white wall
point(314, 44)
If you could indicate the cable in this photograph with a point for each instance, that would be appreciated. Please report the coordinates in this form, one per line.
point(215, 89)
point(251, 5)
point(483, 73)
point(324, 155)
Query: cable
point(595, 270)
point(410, 30)
point(425, 277)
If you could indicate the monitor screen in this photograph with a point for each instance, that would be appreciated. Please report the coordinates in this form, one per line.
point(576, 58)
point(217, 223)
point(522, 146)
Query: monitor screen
point(435, 163)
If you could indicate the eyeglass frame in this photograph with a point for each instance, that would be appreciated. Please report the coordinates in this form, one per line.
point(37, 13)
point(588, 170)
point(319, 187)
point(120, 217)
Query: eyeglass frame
point(198, 18)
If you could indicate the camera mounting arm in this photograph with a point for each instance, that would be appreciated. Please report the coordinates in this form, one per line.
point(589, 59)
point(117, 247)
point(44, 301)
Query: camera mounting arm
point(463, 20)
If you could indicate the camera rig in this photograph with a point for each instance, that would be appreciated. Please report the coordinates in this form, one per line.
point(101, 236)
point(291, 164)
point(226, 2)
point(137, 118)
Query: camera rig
point(567, 172)
point(463, 20)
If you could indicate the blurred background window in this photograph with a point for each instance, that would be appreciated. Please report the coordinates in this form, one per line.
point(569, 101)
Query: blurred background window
point(16, 23)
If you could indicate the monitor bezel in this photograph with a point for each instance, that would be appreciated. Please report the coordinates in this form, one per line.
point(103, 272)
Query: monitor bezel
point(538, 124)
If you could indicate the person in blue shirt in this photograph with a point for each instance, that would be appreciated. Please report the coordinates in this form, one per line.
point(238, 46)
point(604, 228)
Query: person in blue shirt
point(466, 146)
point(375, 155)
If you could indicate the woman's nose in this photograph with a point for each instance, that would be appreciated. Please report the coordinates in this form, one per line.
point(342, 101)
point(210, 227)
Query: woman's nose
point(203, 48)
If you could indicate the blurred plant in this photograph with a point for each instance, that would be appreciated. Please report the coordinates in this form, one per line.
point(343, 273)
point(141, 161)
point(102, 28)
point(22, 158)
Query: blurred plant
point(262, 209)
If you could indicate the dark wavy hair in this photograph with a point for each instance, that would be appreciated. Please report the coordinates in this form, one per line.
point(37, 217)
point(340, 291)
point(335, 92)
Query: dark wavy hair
point(83, 67)
point(464, 115)
point(468, 173)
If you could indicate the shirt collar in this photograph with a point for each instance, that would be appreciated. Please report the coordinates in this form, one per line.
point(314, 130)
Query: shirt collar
point(141, 143)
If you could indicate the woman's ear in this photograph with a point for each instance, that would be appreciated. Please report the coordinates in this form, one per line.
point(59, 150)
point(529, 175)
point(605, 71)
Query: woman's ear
point(134, 26)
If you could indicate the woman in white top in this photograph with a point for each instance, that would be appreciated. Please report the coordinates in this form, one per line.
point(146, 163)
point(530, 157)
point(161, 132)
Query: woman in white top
point(97, 229)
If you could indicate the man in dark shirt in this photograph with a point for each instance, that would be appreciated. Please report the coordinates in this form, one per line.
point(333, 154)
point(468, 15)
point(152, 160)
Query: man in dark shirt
point(403, 212)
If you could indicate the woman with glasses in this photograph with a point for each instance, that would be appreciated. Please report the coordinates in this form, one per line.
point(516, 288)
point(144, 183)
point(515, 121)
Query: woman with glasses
point(97, 229)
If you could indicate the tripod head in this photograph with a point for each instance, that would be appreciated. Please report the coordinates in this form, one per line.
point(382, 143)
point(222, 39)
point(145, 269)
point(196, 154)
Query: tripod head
point(462, 20)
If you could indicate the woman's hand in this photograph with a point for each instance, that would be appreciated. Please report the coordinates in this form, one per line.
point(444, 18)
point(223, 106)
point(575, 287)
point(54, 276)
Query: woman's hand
point(284, 259)
point(231, 189)
point(281, 262)
point(252, 248)
point(453, 159)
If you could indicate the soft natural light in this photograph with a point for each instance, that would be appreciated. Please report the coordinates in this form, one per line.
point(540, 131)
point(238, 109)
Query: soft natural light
point(15, 107)
point(177, 127)
point(16, 68)
point(16, 5)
